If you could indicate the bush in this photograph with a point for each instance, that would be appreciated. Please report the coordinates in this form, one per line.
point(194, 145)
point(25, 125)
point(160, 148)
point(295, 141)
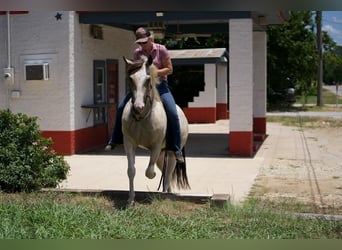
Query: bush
point(27, 161)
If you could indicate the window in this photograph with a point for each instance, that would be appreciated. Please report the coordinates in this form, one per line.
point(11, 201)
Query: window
point(99, 85)
point(99, 92)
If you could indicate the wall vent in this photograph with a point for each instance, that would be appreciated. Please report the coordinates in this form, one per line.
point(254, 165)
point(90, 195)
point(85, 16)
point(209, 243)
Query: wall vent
point(36, 72)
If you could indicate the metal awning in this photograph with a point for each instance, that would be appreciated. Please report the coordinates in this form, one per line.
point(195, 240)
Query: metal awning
point(198, 56)
point(182, 22)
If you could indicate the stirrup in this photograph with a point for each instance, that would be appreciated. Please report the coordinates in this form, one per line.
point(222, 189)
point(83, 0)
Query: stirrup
point(110, 147)
point(179, 157)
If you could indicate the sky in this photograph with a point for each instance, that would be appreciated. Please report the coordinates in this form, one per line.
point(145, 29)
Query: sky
point(332, 23)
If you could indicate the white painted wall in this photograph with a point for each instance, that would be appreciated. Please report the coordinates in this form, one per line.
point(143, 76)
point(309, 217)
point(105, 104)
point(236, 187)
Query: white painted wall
point(70, 51)
point(39, 36)
point(222, 85)
point(116, 44)
point(260, 58)
point(207, 98)
point(241, 74)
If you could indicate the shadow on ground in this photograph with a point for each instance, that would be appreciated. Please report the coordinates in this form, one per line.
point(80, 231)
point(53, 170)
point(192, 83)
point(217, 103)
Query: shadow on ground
point(198, 145)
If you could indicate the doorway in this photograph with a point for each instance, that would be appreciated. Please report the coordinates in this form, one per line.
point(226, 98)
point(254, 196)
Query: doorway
point(112, 93)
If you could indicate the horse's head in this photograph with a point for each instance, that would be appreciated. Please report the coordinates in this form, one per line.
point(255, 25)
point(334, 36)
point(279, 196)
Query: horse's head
point(142, 77)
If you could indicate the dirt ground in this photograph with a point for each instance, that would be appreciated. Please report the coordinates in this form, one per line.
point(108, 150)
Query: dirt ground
point(305, 165)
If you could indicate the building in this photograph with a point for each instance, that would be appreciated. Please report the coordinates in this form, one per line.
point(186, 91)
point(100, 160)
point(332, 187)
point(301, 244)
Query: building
point(210, 102)
point(76, 100)
point(66, 68)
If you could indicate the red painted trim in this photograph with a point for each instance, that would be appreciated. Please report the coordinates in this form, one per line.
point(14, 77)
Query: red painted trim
point(241, 143)
point(71, 142)
point(259, 125)
point(92, 137)
point(200, 115)
point(221, 111)
point(63, 141)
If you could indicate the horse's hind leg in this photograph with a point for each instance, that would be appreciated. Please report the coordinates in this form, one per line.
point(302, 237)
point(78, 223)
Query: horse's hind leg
point(170, 166)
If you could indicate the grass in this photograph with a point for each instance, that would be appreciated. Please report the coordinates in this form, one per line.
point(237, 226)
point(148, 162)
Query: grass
point(311, 122)
point(54, 215)
point(49, 215)
point(306, 122)
point(328, 97)
point(309, 103)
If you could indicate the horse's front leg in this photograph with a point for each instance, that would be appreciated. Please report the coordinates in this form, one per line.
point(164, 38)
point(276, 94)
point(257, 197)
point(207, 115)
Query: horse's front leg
point(130, 152)
point(150, 173)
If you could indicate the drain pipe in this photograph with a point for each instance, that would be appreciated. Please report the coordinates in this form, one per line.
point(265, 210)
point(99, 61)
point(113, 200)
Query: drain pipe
point(8, 40)
point(9, 70)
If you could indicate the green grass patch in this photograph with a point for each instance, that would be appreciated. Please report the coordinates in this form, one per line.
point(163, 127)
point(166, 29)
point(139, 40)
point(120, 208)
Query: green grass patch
point(74, 216)
point(306, 121)
point(328, 97)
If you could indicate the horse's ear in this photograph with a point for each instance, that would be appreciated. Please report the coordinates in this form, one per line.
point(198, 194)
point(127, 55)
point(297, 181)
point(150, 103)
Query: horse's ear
point(150, 60)
point(127, 60)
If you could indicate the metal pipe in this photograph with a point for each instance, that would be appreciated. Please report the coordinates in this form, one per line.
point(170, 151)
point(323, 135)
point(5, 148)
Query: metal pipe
point(8, 40)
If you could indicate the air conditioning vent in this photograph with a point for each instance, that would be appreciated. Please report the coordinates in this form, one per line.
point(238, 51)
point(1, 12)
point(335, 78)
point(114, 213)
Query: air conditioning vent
point(36, 72)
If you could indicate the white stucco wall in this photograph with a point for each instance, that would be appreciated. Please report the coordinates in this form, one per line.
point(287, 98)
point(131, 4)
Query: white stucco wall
point(222, 85)
point(70, 51)
point(260, 71)
point(116, 44)
point(39, 36)
point(241, 74)
point(207, 98)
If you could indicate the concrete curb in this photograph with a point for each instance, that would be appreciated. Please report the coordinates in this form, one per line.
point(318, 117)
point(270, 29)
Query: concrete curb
point(218, 200)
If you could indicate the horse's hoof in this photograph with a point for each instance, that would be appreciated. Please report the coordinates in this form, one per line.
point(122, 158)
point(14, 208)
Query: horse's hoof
point(150, 175)
point(130, 203)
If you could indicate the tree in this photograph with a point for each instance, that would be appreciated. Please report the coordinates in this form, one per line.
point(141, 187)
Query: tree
point(332, 60)
point(320, 58)
point(292, 52)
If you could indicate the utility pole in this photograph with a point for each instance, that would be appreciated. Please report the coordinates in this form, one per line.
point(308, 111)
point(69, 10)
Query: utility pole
point(320, 58)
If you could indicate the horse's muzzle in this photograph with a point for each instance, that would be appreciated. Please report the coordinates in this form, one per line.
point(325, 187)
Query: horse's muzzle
point(139, 107)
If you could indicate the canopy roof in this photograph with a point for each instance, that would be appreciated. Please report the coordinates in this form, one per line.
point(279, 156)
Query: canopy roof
point(182, 22)
point(199, 56)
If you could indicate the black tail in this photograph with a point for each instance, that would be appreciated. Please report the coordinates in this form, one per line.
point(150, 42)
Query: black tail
point(162, 177)
point(180, 175)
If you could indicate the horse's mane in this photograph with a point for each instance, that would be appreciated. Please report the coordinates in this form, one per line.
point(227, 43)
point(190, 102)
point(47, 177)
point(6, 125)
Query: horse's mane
point(154, 80)
point(154, 75)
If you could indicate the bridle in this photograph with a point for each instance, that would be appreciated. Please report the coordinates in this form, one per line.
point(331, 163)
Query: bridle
point(148, 97)
point(148, 101)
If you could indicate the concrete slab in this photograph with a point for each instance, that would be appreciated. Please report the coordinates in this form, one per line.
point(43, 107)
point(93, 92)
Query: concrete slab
point(210, 170)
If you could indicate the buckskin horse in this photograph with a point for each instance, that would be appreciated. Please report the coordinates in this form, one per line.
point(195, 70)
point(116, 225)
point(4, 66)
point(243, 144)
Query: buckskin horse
point(144, 125)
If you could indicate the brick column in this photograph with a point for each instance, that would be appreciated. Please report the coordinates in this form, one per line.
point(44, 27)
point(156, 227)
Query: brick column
point(241, 87)
point(260, 84)
point(221, 92)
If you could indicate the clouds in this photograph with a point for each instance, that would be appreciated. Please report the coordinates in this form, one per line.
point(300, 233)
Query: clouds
point(335, 33)
point(332, 23)
point(336, 19)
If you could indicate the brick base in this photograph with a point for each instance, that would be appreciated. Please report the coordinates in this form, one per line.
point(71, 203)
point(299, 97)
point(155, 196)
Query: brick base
point(200, 115)
point(241, 143)
point(259, 125)
point(222, 111)
point(71, 142)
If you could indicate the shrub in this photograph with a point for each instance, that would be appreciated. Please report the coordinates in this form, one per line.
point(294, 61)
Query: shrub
point(27, 161)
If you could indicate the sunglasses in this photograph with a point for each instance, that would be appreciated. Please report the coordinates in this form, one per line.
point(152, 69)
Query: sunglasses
point(142, 43)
